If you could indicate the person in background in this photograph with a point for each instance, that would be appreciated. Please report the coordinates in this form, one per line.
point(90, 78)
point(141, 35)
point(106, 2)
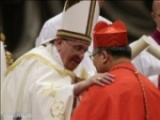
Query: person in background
point(132, 96)
point(145, 62)
point(41, 85)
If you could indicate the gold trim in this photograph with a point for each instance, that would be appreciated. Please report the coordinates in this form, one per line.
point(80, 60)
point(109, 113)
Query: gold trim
point(8, 55)
point(64, 72)
point(74, 35)
point(144, 95)
point(9, 58)
point(2, 37)
point(90, 17)
point(84, 74)
point(86, 36)
point(57, 110)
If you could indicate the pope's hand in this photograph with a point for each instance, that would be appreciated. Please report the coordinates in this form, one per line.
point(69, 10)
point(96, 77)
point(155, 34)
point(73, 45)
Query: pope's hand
point(99, 79)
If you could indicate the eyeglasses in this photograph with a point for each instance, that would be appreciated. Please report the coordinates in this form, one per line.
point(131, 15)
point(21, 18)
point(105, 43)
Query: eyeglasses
point(93, 55)
point(78, 48)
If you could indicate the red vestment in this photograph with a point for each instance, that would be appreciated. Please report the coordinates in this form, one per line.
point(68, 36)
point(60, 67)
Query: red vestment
point(126, 99)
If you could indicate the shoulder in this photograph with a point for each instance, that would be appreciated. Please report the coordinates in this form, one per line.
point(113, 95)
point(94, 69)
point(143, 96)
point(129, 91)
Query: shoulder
point(28, 60)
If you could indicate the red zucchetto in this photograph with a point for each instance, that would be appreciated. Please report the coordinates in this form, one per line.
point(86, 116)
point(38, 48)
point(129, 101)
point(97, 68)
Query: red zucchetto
point(113, 35)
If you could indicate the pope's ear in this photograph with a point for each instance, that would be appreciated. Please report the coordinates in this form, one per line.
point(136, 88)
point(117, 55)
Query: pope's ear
point(58, 43)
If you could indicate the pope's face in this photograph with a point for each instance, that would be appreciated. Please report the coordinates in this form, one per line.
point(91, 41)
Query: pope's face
point(72, 52)
point(156, 13)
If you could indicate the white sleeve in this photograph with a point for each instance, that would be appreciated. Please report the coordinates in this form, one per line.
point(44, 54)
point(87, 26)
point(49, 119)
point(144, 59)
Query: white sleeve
point(147, 64)
point(154, 80)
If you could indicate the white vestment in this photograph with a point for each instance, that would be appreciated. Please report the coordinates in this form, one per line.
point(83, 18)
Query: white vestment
point(48, 33)
point(149, 65)
point(38, 87)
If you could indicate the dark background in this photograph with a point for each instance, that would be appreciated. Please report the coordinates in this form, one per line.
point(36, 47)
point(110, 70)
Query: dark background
point(22, 20)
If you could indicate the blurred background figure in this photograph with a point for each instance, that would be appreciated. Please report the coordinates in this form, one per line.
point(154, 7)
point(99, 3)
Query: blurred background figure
point(146, 62)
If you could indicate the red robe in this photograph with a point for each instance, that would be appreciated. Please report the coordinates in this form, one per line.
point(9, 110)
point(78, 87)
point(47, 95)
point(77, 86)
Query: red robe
point(122, 100)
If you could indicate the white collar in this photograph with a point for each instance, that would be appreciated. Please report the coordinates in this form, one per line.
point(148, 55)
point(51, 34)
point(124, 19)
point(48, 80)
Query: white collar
point(55, 54)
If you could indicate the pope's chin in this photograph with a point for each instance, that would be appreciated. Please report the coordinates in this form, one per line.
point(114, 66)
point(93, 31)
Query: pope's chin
point(71, 66)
